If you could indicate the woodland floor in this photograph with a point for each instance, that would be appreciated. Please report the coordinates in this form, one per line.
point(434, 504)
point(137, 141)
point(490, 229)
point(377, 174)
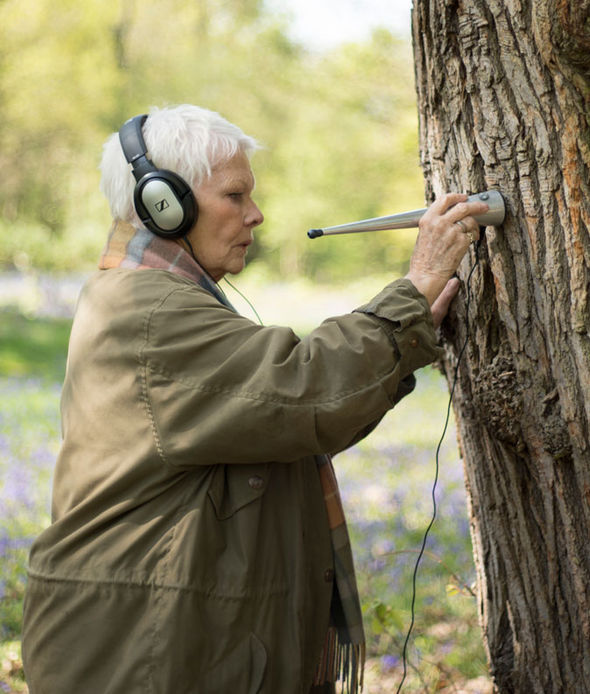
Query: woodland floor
point(376, 681)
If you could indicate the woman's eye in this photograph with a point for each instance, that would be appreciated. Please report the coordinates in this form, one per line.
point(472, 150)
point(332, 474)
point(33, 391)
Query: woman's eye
point(235, 196)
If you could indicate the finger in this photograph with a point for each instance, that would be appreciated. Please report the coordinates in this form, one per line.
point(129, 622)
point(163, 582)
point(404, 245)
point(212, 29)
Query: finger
point(445, 202)
point(469, 227)
point(463, 210)
point(440, 307)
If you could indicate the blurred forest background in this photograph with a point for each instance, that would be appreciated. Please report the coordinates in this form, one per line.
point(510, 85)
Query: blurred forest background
point(339, 129)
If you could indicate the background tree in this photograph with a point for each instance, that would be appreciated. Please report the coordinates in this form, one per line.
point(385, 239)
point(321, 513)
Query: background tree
point(504, 95)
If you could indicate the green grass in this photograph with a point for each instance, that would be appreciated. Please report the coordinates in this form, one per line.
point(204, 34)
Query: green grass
point(33, 346)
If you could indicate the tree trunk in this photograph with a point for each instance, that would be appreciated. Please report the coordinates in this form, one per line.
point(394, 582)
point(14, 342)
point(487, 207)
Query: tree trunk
point(504, 101)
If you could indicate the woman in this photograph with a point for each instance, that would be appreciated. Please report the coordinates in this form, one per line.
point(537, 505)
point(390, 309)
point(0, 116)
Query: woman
point(198, 544)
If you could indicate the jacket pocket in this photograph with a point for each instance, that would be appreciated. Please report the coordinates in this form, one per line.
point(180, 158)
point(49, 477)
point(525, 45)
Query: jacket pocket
point(236, 486)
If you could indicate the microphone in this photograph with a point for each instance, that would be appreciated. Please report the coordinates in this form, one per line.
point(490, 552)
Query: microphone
point(407, 220)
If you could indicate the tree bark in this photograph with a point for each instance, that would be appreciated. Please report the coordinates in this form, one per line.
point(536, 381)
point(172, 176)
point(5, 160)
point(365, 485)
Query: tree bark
point(504, 102)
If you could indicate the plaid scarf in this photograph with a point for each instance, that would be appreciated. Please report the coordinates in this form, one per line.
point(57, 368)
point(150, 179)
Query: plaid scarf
point(343, 653)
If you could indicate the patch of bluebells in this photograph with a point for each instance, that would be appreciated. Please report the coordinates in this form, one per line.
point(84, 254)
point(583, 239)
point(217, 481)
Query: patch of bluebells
point(16, 490)
point(29, 435)
point(387, 495)
point(389, 505)
point(389, 662)
point(13, 569)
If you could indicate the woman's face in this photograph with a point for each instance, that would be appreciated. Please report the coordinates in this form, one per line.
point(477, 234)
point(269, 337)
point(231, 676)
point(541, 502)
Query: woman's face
point(227, 216)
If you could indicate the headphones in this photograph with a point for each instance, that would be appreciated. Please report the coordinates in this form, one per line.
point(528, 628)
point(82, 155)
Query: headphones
point(163, 200)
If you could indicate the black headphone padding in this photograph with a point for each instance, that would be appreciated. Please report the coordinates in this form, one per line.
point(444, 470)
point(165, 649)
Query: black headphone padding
point(163, 200)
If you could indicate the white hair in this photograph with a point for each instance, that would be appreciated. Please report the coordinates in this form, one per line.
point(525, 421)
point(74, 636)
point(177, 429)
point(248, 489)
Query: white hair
point(188, 140)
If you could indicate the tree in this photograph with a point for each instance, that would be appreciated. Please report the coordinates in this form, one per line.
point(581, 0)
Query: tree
point(503, 97)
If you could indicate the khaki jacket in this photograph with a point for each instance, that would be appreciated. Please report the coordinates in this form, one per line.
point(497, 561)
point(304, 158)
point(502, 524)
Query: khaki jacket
point(189, 551)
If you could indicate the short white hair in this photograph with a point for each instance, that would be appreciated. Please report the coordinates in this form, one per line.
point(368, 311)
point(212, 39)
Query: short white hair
point(188, 140)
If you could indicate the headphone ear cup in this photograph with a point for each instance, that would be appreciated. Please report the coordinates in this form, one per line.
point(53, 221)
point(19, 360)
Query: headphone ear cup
point(165, 204)
point(163, 200)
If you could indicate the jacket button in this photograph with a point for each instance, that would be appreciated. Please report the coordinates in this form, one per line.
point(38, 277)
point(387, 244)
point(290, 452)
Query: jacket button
point(329, 575)
point(413, 342)
point(256, 482)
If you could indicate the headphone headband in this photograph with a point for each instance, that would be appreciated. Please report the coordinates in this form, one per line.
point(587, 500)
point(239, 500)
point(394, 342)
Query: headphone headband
point(133, 144)
point(163, 200)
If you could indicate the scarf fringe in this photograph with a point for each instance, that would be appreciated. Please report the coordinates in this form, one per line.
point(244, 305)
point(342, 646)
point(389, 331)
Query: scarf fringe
point(344, 662)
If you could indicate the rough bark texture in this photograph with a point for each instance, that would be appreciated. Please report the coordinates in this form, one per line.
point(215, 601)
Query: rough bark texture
point(504, 101)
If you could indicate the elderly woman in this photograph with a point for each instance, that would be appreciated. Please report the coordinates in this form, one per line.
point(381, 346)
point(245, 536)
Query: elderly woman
point(198, 545)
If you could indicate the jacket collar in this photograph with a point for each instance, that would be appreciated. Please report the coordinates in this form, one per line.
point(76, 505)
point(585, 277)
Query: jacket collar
point(139, 249)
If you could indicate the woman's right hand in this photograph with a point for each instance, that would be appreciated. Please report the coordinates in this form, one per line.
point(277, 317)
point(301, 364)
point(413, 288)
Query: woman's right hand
point(445, 232)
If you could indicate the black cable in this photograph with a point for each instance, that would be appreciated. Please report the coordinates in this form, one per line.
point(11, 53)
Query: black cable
point(190, 245)
point(437, 466)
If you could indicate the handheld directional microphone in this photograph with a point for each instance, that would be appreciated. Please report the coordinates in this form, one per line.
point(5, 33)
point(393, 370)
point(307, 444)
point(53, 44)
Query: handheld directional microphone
point(407, 220)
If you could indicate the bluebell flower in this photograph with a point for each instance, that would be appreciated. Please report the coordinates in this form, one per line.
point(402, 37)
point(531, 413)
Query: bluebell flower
point(389, 662)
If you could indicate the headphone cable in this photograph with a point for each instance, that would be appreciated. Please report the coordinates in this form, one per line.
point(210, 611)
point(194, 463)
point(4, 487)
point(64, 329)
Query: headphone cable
point(245, 299)
point(192, 252)
point(437, 467)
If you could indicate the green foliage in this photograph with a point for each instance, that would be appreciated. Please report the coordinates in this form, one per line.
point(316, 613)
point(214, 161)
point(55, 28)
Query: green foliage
point(340, 129)
point(351, 155)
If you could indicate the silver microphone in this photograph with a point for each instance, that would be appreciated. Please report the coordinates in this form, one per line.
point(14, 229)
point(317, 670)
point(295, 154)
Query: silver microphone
point(407, 220)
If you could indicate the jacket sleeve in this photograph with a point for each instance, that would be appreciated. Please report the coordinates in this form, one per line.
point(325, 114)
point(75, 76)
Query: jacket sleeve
point(221, 389)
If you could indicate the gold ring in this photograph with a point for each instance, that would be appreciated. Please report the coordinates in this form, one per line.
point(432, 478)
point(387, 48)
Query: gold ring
point(470, 236)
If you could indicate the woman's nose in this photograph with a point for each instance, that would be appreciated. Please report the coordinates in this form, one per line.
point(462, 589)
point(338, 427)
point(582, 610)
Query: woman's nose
point(254, 217)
